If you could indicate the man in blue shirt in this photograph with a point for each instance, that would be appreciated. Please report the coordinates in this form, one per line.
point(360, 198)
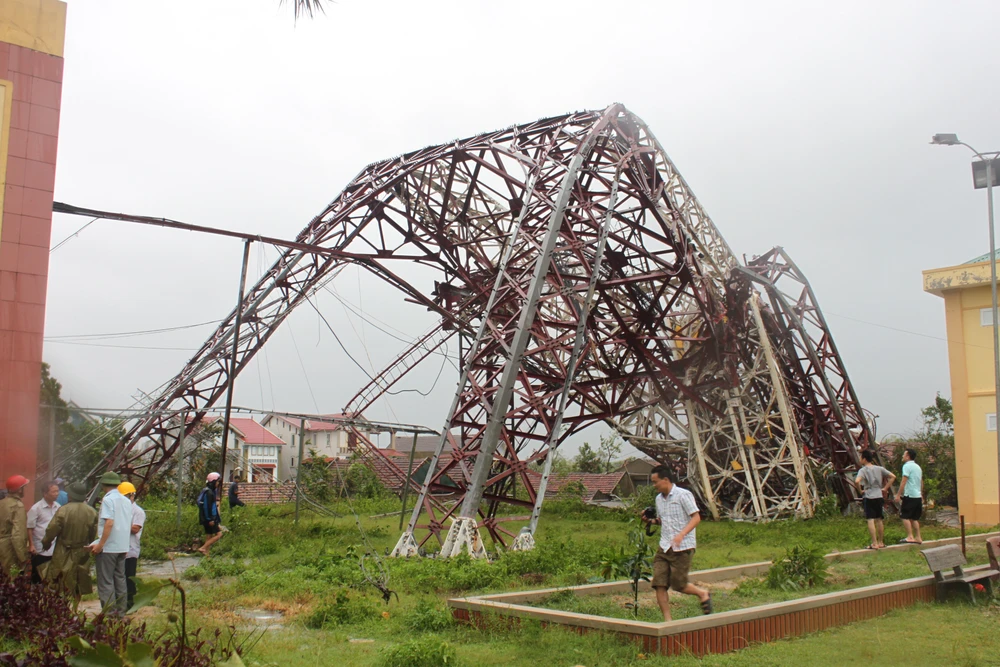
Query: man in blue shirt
point(911, 505)
point(63, 497)
point(208, 512)
point(114, 529)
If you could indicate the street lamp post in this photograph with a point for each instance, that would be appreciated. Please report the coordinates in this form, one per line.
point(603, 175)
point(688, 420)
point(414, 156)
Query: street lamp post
point(990, 161)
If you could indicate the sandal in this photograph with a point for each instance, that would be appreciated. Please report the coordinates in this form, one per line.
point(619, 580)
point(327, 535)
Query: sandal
point(906, 541)
point(872, 547)
point(706, 605)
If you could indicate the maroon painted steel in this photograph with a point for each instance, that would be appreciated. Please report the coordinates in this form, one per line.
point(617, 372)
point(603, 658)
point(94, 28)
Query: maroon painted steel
point(669, 325)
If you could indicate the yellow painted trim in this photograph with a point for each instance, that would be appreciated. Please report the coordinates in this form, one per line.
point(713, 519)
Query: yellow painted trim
point(976, 394)
point(960, 400)
point(937, 281)
point(5, 110)
point(39, 25)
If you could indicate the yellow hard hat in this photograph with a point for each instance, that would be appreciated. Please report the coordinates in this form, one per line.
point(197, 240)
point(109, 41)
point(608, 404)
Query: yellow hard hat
point(126, 488)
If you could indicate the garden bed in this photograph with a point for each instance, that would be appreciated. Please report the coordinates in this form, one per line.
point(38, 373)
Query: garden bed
point(748, 612)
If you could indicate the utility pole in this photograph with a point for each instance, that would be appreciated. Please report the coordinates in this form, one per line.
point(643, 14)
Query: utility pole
point(298, 470)
point(180, 466)
point(409, 472)
point(52, 442)
point(231, 380)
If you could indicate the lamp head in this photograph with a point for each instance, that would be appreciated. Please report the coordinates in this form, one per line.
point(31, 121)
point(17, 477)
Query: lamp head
point(945, 140)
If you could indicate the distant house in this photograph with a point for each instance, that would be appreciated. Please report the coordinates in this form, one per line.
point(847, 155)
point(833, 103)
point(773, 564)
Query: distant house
point(638, 470)
point(598, 488)
point(258, 451)
point(328, 439)
point(77, 417)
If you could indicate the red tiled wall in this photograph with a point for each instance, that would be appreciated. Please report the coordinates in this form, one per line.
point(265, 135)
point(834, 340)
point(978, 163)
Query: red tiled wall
point(24, 247)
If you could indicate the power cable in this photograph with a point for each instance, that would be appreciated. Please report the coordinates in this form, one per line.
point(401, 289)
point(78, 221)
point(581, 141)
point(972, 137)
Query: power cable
point(122, 347)
point(128, 334)
point(72, 236)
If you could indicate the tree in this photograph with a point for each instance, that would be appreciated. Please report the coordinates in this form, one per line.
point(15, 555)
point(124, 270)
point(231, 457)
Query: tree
point(587, 460)
point(935, 447)
point(560, 464)
point(610, 447)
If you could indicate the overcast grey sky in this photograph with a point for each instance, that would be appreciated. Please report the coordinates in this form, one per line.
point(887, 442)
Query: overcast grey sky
point(804, 125)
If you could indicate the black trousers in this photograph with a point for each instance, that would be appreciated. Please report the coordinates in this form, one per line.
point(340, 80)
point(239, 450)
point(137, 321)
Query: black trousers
point(36, 562)
point(130, 566)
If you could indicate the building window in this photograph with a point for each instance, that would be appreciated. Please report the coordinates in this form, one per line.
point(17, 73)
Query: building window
point(986, 317)
point(991, 421)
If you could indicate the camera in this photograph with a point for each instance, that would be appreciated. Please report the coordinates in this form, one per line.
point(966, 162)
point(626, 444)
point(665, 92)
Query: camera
point(650, 515)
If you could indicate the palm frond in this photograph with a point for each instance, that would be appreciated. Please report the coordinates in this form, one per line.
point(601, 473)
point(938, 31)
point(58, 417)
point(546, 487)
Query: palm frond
point(305, 7)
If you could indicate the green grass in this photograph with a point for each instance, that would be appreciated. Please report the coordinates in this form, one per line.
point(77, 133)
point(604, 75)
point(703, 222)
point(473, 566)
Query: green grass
point(267, 561)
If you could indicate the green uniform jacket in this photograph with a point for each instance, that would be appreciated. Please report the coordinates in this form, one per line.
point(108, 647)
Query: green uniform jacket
point(74, 528)
point(13, 534)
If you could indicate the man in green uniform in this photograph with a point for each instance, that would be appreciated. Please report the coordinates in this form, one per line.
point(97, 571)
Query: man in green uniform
point(14, 551)
point(75, 526)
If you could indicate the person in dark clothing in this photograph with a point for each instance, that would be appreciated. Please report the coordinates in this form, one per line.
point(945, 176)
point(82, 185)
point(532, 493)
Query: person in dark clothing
point(208, 511)
point(234, 493)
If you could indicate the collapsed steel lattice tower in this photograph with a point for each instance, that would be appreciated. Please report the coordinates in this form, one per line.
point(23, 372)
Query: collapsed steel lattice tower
point(585, 283)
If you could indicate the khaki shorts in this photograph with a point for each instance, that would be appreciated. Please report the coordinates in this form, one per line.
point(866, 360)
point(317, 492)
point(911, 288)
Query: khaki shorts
point(670, 568)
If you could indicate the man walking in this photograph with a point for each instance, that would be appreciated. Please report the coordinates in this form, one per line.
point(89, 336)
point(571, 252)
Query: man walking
point(110, 549)
point(677, 514)
point(132, 557)
point(14, 527)
point(234, 493)
point(39, 516)
point(208, 511)
point(874, 482)
point(911, 488)
point(73, 529)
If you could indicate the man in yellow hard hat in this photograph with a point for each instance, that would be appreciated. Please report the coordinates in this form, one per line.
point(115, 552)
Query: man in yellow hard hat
point(14, 552)
point(132, 556)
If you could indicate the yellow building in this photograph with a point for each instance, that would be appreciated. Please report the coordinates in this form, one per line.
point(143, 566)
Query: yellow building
point(969, 319)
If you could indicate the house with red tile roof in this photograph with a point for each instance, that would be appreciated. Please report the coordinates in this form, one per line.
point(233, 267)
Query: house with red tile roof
point(258, 451)
point(597, 488)
point(328, 439)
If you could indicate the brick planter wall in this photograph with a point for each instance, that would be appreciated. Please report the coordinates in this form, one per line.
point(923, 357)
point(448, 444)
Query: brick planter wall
point(734, 630)
point(716, 633)
point(266, 494)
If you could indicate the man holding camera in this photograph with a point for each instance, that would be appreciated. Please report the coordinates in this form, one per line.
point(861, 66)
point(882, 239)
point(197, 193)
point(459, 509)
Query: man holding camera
point(677, 514)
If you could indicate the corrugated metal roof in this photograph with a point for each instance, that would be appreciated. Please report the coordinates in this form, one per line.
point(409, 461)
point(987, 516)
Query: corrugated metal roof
point(982, 258)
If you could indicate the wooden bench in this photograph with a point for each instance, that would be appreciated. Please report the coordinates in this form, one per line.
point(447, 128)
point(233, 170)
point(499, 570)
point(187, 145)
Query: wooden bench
point(950, 557)
point(993, 551)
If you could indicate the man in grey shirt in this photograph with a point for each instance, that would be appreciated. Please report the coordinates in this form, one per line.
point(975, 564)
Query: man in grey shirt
point(874, 482)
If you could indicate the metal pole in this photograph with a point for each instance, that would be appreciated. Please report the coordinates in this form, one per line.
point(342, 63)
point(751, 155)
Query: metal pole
point(406, 486)
point(52, 442)
point(231, 380)
point(298, 471)
point(180, 467)
point(996, 320)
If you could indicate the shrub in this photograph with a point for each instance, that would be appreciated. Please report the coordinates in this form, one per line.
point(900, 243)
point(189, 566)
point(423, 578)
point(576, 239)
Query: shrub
point(827, 508)
point(427, 651)
point(799, 568)
point(344, 610)
point(428, 616)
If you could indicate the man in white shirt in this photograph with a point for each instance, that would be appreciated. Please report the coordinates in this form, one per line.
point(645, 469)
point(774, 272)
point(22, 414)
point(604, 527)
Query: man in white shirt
point(677, 514)
point(132, 556)
point(39, 516)
point(114, 529)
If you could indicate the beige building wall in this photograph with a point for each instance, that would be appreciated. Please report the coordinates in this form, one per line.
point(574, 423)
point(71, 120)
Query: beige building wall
point(967, 303)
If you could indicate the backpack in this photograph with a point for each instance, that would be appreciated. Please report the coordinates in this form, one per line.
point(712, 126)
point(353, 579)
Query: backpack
point(203, 511)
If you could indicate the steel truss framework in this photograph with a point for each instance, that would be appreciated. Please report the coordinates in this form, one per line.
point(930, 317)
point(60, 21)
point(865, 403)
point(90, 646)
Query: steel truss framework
point(585, 283)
